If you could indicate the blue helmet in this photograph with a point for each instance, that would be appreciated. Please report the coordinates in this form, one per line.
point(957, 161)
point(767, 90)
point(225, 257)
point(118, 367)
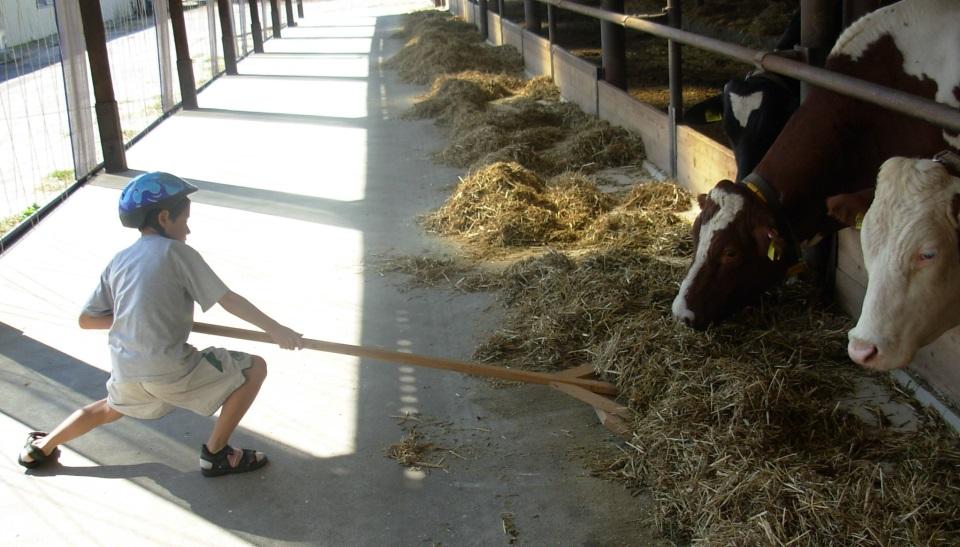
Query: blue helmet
point(155, 190)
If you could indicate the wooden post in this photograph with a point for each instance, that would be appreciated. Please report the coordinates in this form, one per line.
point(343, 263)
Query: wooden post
point(675, 110)
point(108, 114)
point(188, 85)
point(300, 9)
point(255, 27)
point(482, 19)
point(275, 17)
point(291, 22)
point(229, 42)
point(531, 16)
point(613, 47)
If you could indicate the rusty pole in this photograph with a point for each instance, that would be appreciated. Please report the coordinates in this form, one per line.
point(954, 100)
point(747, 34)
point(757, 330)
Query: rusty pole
point(229, 42)
point(255, 27)
point(108, 114)
point(275, 17)
point(613, 39)
point(531, 16)
point(188, 85)
point(291, 22)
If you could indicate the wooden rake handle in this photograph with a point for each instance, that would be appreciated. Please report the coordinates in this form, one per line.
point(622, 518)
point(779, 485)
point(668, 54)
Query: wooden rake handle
point(397, 357)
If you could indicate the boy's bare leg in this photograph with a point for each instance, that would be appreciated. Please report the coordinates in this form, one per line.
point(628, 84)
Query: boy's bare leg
point(83, 420)
point(236, 406)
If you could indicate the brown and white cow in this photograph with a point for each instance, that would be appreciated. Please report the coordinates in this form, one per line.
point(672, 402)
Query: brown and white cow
point(747, 234)
point(911, 249)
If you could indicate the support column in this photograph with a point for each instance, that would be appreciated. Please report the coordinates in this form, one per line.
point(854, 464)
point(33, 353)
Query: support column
point(76, 83)
point(255, 28)
point(108, 114)
point(675, 110)
point(531, 16)
point(300, 9)
point(188, 85)
point(482, 19)
point(275, 17)
point(613, 40)
point(291, 22)
point(229, 44)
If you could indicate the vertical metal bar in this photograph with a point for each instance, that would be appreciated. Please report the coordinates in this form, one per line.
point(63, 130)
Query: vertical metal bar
point(255, 28)
point(500, 8)
point(551, 23)
point(482, 19)
point(108, 114)
point(226, 29)
point(613, 47)
point(675, 110)
point(531, 16)
point(291, 21)
point(188, 86)
point(242, 25)
point(818, 30)
point(275, 17)
point(300, 9)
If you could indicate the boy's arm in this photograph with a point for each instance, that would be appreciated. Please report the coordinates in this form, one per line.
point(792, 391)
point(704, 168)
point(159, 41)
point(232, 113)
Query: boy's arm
point(88, 321)
point(242, 308)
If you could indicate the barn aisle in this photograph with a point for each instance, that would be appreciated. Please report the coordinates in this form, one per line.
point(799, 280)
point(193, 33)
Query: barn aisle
point(308, 181)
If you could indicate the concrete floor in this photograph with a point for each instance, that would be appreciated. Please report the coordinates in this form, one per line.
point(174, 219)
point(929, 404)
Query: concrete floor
point(308, 177)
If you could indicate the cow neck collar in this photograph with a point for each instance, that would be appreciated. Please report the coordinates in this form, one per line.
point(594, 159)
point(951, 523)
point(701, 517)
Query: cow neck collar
point(762, 189)
point(770, 197)
point(950, 160)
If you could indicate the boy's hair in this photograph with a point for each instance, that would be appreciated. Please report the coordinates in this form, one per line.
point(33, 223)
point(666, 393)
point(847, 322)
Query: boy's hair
point(176, 209)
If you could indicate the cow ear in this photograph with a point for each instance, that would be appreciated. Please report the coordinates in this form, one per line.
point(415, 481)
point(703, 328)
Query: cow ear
point(769, 243)
point(702, 201)
point(849, 209)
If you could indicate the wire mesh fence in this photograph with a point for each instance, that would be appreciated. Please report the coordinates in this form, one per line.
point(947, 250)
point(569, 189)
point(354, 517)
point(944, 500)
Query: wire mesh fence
point(47, 117)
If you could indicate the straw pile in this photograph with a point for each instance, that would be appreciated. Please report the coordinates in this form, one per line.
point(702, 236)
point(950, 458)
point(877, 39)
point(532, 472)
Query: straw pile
point(439, 44)
point(738, 434)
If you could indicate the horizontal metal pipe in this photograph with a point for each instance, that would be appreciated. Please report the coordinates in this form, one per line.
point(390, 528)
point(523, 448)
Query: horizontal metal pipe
point(936, 113)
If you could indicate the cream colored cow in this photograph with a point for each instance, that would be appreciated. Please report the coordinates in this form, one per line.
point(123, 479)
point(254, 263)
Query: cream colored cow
point(911, 250)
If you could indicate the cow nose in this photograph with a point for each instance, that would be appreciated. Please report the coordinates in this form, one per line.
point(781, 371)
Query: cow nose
point(861, 352)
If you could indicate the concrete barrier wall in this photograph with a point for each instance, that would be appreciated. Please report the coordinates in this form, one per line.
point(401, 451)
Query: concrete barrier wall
point(935, 364)
point(512, 34)
point(577, 80)
point(702, 161)
point(495, 35)
point(619, 108)
point(536, 55)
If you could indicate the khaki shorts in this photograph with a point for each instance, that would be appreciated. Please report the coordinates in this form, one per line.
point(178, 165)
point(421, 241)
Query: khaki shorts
point(218, 374)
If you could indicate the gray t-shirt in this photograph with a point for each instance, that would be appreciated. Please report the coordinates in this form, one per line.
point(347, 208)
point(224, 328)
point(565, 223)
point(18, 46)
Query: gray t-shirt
point(150, 288)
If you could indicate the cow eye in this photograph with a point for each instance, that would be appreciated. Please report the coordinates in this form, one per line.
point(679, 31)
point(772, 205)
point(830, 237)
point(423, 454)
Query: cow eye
point(927, 255)
point(730, 255)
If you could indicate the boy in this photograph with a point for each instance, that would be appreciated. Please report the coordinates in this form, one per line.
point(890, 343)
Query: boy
point(146, 297)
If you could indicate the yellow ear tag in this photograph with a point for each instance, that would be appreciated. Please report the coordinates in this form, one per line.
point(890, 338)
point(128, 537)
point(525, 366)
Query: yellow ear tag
point(858, 221)
point(713, 116)
point(772, 252)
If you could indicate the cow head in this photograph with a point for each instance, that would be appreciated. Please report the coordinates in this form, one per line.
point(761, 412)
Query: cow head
point(910, 250)
point(755, 110)
point(739, 253)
